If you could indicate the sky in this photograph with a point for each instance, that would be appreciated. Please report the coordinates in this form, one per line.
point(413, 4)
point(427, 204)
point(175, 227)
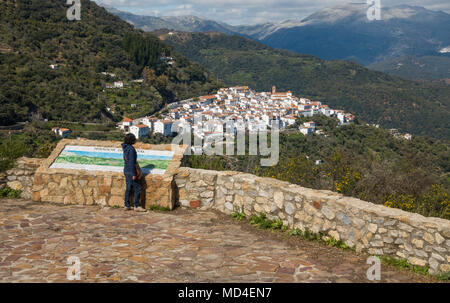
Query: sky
point(237, 12)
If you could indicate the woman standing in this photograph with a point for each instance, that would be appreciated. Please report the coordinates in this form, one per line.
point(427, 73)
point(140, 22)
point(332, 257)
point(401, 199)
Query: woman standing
point(132, 173)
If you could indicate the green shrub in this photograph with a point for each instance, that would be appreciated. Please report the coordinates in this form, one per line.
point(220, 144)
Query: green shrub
point(158, 208)
point(10, 193)
point(264, 223)
point(10, 150)
point(239, 216)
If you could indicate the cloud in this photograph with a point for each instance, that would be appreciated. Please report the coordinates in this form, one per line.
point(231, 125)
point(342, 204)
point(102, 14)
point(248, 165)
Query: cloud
point(249, 11)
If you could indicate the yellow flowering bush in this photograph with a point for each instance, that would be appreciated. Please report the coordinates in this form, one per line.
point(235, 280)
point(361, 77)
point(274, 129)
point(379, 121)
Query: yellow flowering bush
point(434, 203)
point(401, 201)
point(347, 181)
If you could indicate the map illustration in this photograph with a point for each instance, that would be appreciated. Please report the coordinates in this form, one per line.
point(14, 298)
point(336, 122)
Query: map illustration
point(110, 159)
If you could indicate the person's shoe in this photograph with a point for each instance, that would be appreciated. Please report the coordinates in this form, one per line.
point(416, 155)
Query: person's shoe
point(127, 208)
point(140, 209)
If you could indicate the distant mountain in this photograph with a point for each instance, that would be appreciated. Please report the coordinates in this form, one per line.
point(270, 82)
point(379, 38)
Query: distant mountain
point(426, 67)
point(344, 33)
point(375, 97)
point(261, 31)
point(182, 23)
point(341, 32)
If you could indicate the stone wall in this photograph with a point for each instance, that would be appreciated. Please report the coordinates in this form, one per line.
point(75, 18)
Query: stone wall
point(102, 187)
point(367, 227)
point(21, 176)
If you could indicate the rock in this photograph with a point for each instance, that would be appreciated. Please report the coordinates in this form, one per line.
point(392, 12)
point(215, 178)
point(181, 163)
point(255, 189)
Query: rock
point(279, 199)
point(261, 200)
point(437, 257)
point(445, 268)
point(428, 237)
point(390, 223)
point(194, 204)
point(317, 204)
point(15, 185)
point(421, 253)
point(376, 251)
point(344, 218)
point(289, 207)
point(326, 225)
point(388, 240)
point(417, 261)
point(328, 213)
point(36, 196)
point(418, 243)
point(229, 206)
point(393, 233)
point(382, 230)
point(439, 239)
point(405, 227)
point(258, 208)
point(433, 263)
point(372, 228)
point(377, 244)
point(207, 194)
point(334, 234)
point(379, 220)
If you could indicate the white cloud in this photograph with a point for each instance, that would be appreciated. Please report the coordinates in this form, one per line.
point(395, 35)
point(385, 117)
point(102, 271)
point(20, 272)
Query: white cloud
point(249, 11)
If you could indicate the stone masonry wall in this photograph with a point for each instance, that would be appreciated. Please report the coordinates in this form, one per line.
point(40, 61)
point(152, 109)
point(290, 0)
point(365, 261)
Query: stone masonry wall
point(103, 187)
point(21, 176)
point(100, 189)
point(367, 227)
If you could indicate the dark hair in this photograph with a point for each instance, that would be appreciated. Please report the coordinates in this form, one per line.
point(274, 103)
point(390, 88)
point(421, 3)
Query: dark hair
point(130, 139)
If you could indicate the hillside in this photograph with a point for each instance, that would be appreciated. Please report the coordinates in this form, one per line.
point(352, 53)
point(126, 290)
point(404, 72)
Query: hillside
point(374, 97)
point(425, 67)
point(35, 34)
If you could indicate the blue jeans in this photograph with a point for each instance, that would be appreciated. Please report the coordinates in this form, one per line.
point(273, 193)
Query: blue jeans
point(137, 191)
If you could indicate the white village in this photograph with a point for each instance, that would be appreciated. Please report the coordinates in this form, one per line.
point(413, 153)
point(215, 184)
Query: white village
point(231, 110)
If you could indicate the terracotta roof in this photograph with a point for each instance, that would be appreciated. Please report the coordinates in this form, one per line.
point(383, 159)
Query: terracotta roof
point(142, 126)
point(208, 97)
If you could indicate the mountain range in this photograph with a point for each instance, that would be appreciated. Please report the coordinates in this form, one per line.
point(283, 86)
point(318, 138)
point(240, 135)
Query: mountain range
point(341, 32)
point(178, 23)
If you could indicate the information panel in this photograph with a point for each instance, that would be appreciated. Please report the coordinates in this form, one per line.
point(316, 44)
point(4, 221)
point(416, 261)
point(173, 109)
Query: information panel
point(92, 158)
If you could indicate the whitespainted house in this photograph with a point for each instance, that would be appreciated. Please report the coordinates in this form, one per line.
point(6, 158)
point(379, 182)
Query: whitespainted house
point(62, 132)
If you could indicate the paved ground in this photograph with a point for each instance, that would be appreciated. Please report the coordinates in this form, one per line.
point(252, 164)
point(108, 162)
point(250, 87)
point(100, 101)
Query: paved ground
point(184, 246)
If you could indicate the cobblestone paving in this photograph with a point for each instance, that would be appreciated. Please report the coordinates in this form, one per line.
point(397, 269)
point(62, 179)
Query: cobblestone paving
point(184, 246)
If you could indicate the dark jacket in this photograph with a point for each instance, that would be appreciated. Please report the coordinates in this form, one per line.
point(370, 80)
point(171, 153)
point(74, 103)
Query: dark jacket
point(130, 158)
